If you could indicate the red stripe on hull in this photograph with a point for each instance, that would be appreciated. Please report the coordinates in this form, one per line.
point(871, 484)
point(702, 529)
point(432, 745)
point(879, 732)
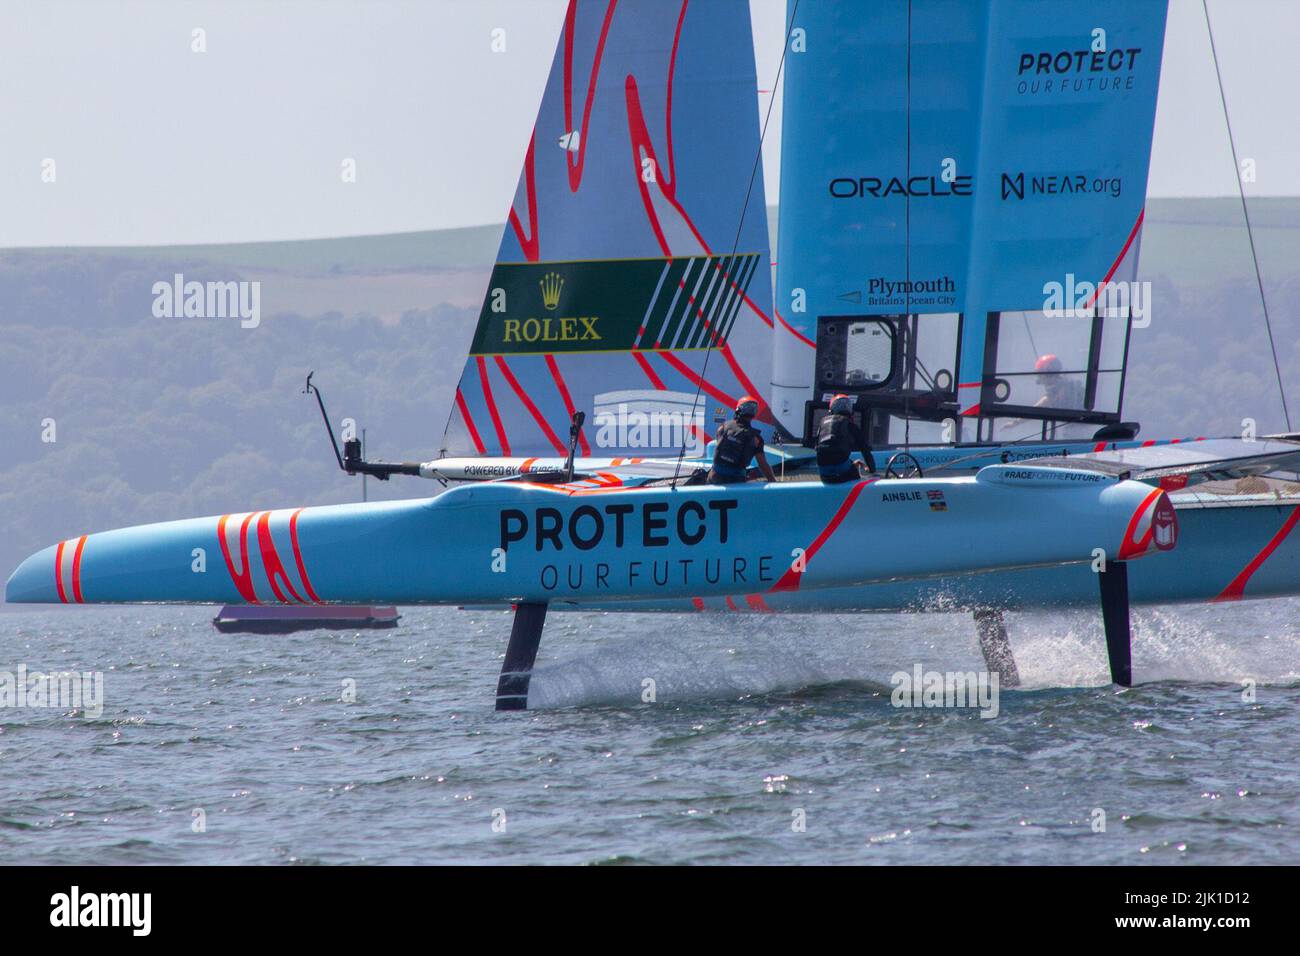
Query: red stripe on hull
point(1129, 547)
point(790, 580)
point(58, 571)
point(271, 564)
point(243, 579)
point(76, 571)
point(297, 557)
point(1235, 591)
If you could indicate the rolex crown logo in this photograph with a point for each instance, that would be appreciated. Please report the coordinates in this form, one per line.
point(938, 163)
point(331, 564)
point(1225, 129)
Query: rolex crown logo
point(551, 284)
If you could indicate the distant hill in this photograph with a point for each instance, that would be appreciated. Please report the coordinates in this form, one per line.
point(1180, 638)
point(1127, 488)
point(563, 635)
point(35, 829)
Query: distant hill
point(166, 418)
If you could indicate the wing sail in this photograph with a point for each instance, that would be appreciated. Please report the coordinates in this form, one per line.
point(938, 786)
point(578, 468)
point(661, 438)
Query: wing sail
point(968, 176)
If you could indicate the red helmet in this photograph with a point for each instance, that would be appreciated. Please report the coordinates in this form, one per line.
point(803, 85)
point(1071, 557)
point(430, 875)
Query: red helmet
point(747, 407)
point(1047, 363)
point(842, 404)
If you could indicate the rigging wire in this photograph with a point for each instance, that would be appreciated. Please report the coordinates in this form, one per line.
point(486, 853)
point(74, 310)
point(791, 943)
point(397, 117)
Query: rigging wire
point(1033, 346)
point(753, 176)
point(907, 246)
point(1245, 211)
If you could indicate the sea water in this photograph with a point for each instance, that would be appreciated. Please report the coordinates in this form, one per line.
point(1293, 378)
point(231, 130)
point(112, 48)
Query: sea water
point(706, 738)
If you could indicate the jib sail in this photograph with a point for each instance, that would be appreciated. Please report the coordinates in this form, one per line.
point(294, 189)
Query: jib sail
point(622, 287)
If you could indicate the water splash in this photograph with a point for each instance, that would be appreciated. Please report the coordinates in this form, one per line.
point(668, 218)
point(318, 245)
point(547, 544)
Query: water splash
point(719, 656)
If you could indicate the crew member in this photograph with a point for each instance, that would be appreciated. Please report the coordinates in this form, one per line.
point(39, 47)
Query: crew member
point(1059, 390)
point(837, 439)
point(738, 443)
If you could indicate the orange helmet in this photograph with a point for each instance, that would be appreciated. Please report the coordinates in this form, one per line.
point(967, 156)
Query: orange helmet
point(1047, 363)
point(747, 407)
point(842, 404)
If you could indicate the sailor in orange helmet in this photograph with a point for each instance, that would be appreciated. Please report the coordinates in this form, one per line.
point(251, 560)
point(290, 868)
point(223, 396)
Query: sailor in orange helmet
point(837, 439)
point(1059, 390)
point(738, 442)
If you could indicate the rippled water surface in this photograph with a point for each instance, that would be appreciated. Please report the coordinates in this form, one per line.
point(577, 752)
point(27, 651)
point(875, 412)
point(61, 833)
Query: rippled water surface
point(760, 723)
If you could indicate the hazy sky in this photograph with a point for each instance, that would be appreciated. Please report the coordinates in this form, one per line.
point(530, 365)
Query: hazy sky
point(153, 143)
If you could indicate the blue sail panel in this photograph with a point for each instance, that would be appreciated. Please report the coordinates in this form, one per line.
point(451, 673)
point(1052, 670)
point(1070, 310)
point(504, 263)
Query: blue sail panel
point(947, 49)
point(1065, 145)
point(955, 158)
point(634, 270)
point(877, 170)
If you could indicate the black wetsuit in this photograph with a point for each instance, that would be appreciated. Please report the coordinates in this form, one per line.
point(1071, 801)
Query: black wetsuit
point(837, 439)
point(738, 443)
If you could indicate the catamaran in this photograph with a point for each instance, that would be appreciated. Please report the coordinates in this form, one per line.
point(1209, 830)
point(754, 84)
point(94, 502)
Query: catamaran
point(961, 208)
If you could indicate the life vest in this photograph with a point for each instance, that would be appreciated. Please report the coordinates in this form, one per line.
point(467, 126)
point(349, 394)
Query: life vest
point(835, 440)
point(736, 446)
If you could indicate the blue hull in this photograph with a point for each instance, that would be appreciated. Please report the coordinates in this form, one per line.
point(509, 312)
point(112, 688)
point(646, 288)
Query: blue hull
point(525, 543)
point(1224, 553)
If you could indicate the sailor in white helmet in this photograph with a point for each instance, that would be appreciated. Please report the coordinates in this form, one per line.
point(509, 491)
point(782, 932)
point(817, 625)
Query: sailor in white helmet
point(738, 443)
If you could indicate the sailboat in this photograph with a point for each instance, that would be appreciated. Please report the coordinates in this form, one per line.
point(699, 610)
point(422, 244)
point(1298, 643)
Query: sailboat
point(933, 190)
